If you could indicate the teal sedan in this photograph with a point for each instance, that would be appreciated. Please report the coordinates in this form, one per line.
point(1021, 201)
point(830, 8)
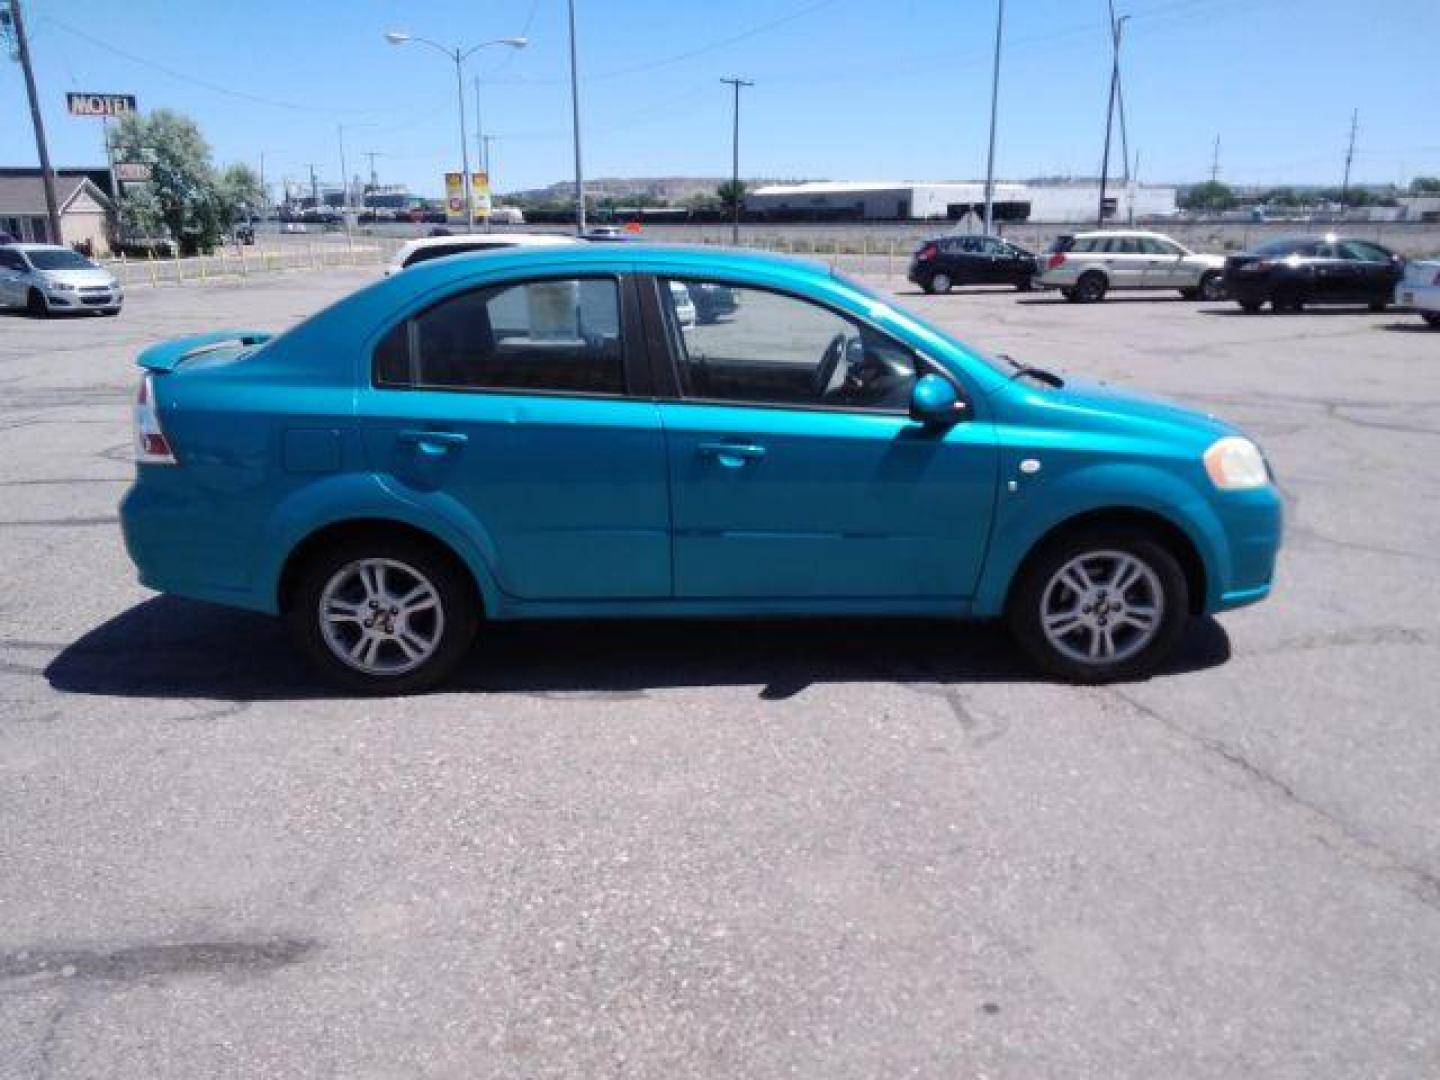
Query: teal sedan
point(538, 434)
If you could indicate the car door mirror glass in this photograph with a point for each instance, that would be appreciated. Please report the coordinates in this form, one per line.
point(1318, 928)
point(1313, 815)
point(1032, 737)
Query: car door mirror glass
point(935, 402)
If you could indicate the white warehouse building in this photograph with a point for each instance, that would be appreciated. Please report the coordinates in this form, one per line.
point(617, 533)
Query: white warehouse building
point(854, 200)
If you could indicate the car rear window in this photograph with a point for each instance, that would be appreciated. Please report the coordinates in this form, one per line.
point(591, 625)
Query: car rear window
point(1287, 247)
point(1063, 242)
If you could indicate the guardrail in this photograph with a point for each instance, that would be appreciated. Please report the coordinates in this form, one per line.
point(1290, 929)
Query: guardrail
point(242, 261)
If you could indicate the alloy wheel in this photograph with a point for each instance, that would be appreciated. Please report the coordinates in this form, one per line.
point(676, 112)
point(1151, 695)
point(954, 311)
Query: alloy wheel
point(1102, 607)
point(381, 616)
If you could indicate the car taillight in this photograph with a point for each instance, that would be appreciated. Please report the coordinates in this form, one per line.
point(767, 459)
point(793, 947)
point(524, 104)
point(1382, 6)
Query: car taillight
point(1056, 259)
point(926, 253)
point(151, 445)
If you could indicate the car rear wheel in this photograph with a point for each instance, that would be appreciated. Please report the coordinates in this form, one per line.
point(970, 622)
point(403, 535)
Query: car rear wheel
point(1091, 287)
point(1288, 299)
point(1025, 284)
point(1099, 605)
point(1379, 305)
point(384, 615)
point(1250, 307)
point(1433, 318)
point(1212, 286)
point(940, 283)
point(35, 305)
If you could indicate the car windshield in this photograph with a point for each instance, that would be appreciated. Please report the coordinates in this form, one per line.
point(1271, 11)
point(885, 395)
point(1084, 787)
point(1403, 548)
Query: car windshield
point(59, 260)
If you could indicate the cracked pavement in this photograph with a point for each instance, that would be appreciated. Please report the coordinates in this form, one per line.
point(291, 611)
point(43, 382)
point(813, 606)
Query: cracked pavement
point(847, 849)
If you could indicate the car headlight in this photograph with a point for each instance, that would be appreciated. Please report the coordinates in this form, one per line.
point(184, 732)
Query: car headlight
point(1236, 464)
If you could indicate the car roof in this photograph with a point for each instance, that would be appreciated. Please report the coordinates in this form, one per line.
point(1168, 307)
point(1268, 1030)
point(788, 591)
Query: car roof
point(1117, 232)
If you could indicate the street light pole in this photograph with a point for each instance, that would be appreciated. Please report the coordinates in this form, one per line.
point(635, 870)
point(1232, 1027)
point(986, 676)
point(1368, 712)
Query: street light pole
point(575, 122)
point(1117, 28)
point(47, 174)
point(994, 107)
point(735, 162)
point(458, 56)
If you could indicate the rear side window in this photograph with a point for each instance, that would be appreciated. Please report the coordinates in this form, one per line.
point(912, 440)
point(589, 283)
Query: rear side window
point(440, 251)
point(1360, 251)
point(552, 336)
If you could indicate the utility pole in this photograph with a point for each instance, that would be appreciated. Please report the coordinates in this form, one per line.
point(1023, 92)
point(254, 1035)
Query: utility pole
point(47, 174)
point(735, 161)
point(486, 155)
point(575, 121)
point(344, 182)
point(264, 195)
point(480, 139)
point(1124, 129)
point(314, 186)
point(1349, 157)
point(374, 181)
point(994, 106)
point(1215, 162)
point(1118, 27)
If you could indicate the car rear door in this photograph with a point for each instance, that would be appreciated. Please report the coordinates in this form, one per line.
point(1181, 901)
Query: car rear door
point(1124, 262)
point(1335, 278)
point(525, 406)
point(796, 472)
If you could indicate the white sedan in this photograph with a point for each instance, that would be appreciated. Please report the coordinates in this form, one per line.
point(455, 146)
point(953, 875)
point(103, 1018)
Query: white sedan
point(1419, 289)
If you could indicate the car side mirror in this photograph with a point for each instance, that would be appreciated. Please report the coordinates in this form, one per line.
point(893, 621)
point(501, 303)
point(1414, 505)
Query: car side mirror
point(935, 402)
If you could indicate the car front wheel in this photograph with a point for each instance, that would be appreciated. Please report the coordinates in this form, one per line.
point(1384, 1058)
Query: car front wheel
point(1100, 605)
point(380, 615)
point(1212, 286)
point(1091, 288)
point(35, 305)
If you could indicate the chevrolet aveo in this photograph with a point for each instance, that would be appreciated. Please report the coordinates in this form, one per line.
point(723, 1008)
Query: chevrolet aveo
point(537, 434)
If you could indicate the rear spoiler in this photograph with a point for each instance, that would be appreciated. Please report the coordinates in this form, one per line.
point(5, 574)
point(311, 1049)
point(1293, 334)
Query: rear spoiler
point(169, 355)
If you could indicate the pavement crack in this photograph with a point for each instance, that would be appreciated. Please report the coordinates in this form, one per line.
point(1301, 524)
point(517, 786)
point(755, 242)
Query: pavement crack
point(1418, 881)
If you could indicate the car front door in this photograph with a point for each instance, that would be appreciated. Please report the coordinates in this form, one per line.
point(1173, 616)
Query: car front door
point(1125, 263)
point(1167, 267)
point(1335, 278)
point(517, 402)
point(1377, 270)
point(796, 472)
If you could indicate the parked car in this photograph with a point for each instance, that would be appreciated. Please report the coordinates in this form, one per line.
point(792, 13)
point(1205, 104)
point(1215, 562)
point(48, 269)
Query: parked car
point(1085, 266)
point(713, 301)
point(943, 261)
point(1419, 289)
point(684, 305)
point(531, 435)
point(294, 227)
point(1288, 274)
point(606, 234)
point(45, 279)
point(437, 247)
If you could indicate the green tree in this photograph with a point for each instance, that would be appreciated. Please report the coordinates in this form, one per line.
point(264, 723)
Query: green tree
point(1425, 185)
point(730, 194)
point(181, 194)
point(1211, 195)
point(238, 193)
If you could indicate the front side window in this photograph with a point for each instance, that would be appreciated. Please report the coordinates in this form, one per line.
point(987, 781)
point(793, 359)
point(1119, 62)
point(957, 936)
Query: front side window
point(1360, 251)
point(774, 349)
point(553, 336)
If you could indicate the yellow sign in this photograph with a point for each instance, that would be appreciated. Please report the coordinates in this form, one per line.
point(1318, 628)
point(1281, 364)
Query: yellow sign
point(455, 195)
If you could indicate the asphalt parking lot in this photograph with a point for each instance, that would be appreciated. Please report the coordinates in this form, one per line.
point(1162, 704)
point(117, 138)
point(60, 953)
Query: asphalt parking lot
point(860, 849)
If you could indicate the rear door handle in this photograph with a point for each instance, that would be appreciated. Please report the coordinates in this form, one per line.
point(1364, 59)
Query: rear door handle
point(433, 443)
point(731, 454)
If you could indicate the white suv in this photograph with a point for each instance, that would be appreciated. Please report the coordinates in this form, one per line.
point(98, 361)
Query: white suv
point(437, 247)
point(1085, 266)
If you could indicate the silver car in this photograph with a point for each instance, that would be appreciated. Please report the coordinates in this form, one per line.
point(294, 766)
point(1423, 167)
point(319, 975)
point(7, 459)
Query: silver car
point(45, 278)
point(1085, 266)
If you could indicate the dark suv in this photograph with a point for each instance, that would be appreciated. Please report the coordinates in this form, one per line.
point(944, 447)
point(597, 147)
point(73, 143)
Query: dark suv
point(943, 261)
point(1288, 274)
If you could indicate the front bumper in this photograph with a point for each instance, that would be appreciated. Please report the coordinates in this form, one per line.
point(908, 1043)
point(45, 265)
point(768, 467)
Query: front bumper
point(91, 298)
point(1418, 297)
point(1254, 526)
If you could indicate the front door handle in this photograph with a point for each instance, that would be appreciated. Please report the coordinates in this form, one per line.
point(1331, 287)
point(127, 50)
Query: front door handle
point(731, 454)
point(433, 443)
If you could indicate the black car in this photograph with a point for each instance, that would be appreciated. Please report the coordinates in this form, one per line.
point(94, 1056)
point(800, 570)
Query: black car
point(943, 261)
point(712, 301)
point(1288, 274)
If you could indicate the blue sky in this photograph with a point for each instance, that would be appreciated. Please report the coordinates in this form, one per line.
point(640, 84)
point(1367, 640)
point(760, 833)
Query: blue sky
point(845, 89)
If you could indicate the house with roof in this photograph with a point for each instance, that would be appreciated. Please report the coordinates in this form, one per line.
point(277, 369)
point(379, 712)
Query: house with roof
point(87, 213)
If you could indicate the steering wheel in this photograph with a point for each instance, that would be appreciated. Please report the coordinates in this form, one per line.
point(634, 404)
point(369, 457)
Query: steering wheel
point(829, 363)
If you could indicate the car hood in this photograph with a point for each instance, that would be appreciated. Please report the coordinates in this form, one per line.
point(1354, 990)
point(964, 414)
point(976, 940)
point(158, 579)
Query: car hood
point(93, 275)
point(1086, 405)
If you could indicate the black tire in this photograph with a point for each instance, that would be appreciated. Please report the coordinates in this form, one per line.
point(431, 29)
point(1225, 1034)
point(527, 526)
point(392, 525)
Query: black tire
point(1212, 287)
point(35, 305)
point(1091, 287)
point(1025, 285)
point(1189, 294)
point(1250, 307)
point(1378, 306)
point(1431, 317)
point(1026, 607)
point(1069, 294)
point(926, 287)
point(456, 618)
